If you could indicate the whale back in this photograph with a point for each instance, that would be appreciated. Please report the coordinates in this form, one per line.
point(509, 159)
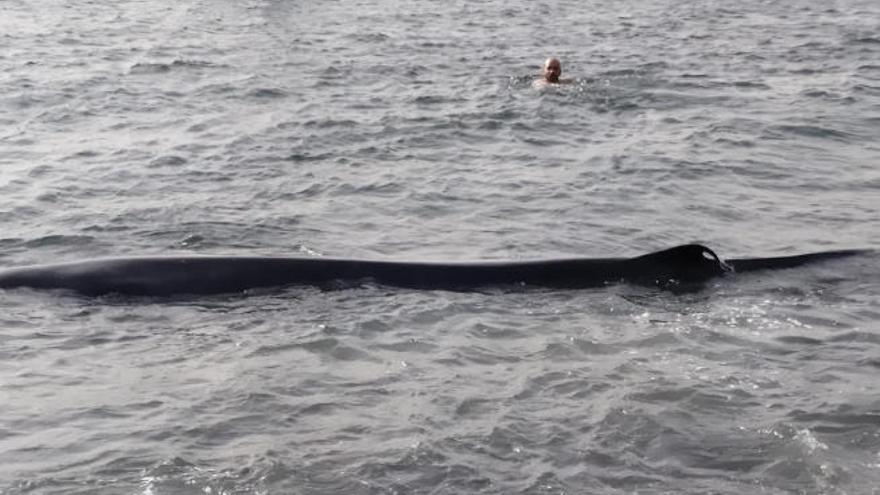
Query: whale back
point(688, 263)
point(781, 262)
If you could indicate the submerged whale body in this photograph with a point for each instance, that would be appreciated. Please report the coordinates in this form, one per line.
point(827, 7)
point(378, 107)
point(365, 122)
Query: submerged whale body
point(170, 275)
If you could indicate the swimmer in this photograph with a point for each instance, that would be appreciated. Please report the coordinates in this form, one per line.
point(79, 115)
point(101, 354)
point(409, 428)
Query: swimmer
point(551, 71)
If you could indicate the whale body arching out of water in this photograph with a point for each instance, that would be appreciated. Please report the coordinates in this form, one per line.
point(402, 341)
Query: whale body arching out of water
point(204, 275)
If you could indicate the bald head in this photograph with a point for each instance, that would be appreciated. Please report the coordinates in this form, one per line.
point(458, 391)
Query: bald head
point(552, 70)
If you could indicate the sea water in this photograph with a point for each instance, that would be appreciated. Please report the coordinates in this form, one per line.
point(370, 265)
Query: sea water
point(411, 130)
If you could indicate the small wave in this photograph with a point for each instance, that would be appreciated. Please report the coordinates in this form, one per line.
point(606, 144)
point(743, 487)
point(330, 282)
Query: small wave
point(267, 93)
point(41, 171)
point(193, 241)
point(167, 161)
point(857, 336)
point(59, 240)
point(429, 100)
point(10, 242)
point(194, 63)
point(617, 73)
point(161, 68)
point(814, 93)
point(434, 44)
point(805, 71)
point(83, 154)
point(329, 123)
point(740, 143)
point(750, 85)
point(866, 88)
point(377, 188)
point(142, 68)
point(811, 131)
point(798, 340)
point(307, 157)
point(369, 37)
point(475, 407)
point(180, 475)
point(333, 348)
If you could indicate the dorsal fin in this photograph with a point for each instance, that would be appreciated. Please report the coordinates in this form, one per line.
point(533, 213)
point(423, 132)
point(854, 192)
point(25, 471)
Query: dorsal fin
point(688, 262)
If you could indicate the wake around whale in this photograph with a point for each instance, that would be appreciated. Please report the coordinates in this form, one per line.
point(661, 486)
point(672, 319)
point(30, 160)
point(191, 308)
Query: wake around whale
point(203, 275)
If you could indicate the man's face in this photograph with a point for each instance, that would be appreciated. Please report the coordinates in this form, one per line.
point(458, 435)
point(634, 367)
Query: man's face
point(552, 70)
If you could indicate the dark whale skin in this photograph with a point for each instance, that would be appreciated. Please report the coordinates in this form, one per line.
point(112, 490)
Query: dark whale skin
point(171, 275)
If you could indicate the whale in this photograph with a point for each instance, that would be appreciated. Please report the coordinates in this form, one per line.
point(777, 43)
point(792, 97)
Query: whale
point(684, 265)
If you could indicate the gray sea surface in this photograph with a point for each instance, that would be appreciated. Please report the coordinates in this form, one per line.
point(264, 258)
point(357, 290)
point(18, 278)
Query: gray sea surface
point(411, 129)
